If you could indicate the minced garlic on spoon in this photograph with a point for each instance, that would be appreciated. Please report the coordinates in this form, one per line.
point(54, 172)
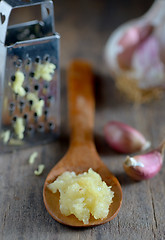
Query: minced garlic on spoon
point(83, 194)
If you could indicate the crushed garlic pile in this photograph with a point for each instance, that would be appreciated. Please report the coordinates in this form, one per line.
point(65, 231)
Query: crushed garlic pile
point(82, 195)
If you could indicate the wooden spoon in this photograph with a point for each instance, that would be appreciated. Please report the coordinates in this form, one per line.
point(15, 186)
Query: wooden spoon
point(82, 153)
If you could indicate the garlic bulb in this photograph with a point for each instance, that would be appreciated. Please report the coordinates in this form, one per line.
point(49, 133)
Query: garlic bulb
point(136, 50)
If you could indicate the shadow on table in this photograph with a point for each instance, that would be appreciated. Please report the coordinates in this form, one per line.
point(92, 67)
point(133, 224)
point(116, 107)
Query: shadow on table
point(124, 179)
point(106, 93)
point(102, 147)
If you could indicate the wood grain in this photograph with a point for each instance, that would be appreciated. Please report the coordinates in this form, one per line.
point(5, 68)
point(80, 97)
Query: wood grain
point(23, 215)
point(22, 212)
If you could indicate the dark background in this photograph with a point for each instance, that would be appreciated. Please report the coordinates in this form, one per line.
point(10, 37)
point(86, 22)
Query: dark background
point(85, 25)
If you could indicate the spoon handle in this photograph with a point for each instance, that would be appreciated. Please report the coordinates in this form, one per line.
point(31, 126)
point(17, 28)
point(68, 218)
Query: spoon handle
point(81, 102)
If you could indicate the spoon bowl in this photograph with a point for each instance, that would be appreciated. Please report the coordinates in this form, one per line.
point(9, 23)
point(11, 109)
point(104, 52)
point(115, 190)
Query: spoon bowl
point(82, 153)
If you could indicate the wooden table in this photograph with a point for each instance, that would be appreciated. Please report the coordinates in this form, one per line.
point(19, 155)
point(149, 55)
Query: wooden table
point(84, 27)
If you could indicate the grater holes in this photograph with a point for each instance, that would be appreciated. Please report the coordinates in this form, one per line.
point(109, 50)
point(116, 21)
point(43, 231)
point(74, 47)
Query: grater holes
point(16, 96)
point(18, 63)
point(38, 59)
point(48, 11)
point(50, 98)
point(36, 87)
point(35, 115)
point(14, 119)
point(30, 104)
point(2, 17)
point(28, 61)
point(41, 98)
point(41, 127)
point(46, 85)
point(25, 106)
point(46, 113)
point(45, 88)
point(30, 129)
point(13, 78)
point(21, 105)
point(28, 64)
point(31, 74)
point(51, 125)
point(47, 58)
point(25, 117)
point(11, 108)
point(26, 89)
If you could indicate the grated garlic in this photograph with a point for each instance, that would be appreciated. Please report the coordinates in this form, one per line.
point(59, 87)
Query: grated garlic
point(18, 82)
point(44, 71)
point(37, 105)
point(40, 169)
point(5, 136)
point(19, 128)
point(82, 195)
point(32, 157)
point(15, 142)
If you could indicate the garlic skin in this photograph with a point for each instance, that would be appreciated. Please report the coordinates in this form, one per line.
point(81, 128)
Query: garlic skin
point(142, 167)
point(123, 138)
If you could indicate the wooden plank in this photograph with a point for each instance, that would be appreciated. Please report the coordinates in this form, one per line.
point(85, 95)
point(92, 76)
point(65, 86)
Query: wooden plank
point(22, 212)
point(23, 215)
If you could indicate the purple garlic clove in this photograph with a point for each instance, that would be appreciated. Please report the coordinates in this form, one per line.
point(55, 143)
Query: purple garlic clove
point(123, 138)
point(142, 167)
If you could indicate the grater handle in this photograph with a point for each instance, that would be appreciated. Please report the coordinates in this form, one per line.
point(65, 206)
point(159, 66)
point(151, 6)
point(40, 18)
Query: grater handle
point(24, 3)
point(6, 7)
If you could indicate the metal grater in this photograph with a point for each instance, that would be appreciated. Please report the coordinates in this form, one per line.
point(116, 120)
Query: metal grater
point(29, 77)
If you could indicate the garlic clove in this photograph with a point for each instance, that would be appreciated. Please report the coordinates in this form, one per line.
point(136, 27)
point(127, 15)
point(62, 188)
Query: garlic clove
point(129, 42)
point(142, 167)
point(123, 138)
